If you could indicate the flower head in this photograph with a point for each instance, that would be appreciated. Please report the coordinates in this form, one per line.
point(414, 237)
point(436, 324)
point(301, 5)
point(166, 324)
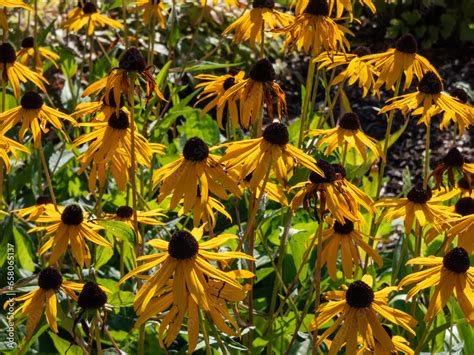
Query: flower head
point(27, 53)
point(88, 15)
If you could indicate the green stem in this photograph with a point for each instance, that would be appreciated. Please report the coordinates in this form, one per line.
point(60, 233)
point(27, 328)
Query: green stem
point(344, 154)
point(317, 281)
point(262, 45)
point(421, 342)
point(427, 158)
point(48, 177)
point(306, 100)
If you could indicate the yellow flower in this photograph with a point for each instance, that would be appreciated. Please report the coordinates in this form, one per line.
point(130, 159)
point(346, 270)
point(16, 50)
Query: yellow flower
point(335, 193)
point(3, 12)
point(429, 101)
point(50, 281)
point(450, 274)
point(340, 5)
point(67, 227)
point(453, 161)
point(262, 17)
point(400, 344)
point(32, 213)
point(203, 211)
point(33, 115)
point(111, 148)
point(358, 308)
point(463, 227)
point(350, 241)
point(27, 52)
point(102, 109)
point(253, 92)
point(88, 15)
point(347, 133)
point(15, 72)
point(186, 281)
point(153, 11)
point(357, 69)
point(215, 87)
point(7, 146)
point(271, 151)
point(401, 60)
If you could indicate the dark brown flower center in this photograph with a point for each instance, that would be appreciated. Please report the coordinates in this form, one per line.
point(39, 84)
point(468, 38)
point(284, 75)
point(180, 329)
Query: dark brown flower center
point(361, 51)
point(31, 101)
point(464, 184)
point(407, 44)
point(43, 200)
point(464, 206)
point(263, 4)
point(317, 8)
point(340, 171)
point(459, 94)
point(50, 279)
point(276, 133)
point(155, 2)
point(7, 53)
point(132, 60)
point(89, 8)
point(457, 260)
point(350, 121)
point(228, 83)
point(359, 295)
point(124, 212)
point(262, 71)
point(92, 296)
point(183, 245)
point(346, 228)
point(430, 84)
point(28, 42)
point(418, 195)
point(454, 158)
point(195, 149)
point(122, 121)
point(328, 170)
point(72, 215)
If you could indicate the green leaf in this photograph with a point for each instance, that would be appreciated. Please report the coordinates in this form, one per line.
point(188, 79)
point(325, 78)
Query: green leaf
point(63, 346)
point(205, 128)
point(23, 249)
point(119, 230)
point(68, 63)
point(210, 65)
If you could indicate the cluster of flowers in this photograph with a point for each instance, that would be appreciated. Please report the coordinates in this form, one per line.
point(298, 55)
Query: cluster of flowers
point(184, 281)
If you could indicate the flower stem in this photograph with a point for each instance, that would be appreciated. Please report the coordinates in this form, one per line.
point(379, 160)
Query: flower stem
point(262, 45)
point(427, 158)
point(48, 177)
point(125, 25)
point(306, 100)
point(344, 154)
point(317, 276)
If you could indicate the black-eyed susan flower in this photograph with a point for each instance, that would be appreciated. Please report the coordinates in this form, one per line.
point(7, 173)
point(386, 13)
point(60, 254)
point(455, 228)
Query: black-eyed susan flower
point(463, 227)
point(152, 11)
point(262, 17)
point(359, 309)
point(66, 227)
point(43, 300)
point(88, 15)
point(357, 70)
point(451, 274)
point(274, 192)
point(428, 101)
point(419, 205)
point(400, 344)
point(33, 114)
point(13, 4)
point(102, 109)
point(453, 161)
point(347, 133)
point(253, 92)
point(186, 281)
point(11, 71)
point(9, 146)
point(27, 52)
point(215, 87)
point(400, 61)
point(333, 193)
point(351, 242)
point(33, 212)
point(313, 31)
point(111, 148)
point(92, 296)
point(203, 211)
point(192, 177)
point(271, 151)
point(117, 81)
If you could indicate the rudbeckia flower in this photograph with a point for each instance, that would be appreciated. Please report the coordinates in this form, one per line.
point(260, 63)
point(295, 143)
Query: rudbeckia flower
point(111, 148)
point(8, 146)
point(10, 3)
point(419, 205)
point(314, 31)
point(15, 72)
point(453, 161)
point(451, 274)
point(271, 151)
point(463, 227)
point(186, 281)
point(400, 344)
point(88, 15)
point(340, 6)
point(253, 92)
point(50, 281)
point(357, 69)
point(117, 81)
point(334, 192)
point(359, 309)
point(262, 17)
point(401, 60)
point(153, 11)
point(347, 133)
point(350, 241)
point(27, 52)
point(102, 109)
point(33, 115)
point(274, 192)
point(67, 227)
point(215, 87)
point(33, 212)
point(429, 101)
point(192, 178)
point(203, 211)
